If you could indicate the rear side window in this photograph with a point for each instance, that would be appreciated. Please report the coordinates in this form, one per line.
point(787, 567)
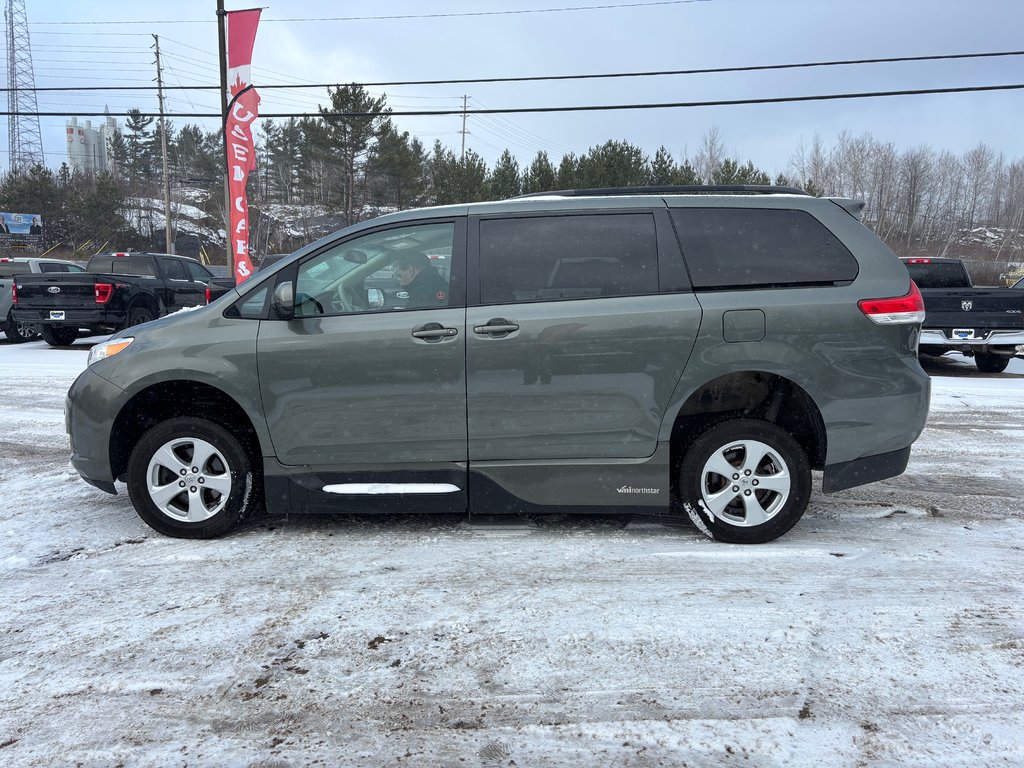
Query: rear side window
point(49, 266)
point(174, 270)
point(198, 274)
point(749, 247)
point(547, 258)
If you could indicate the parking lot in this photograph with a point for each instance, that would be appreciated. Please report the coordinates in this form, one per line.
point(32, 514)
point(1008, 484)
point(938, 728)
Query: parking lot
point(886, 628)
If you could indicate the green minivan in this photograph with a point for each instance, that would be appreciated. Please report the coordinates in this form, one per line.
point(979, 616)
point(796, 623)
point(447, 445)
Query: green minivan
point(686, 353)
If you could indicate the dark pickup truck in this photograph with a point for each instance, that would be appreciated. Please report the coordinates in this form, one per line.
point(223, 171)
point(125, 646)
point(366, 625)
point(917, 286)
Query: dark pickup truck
point(115, 291)
point(984, 323)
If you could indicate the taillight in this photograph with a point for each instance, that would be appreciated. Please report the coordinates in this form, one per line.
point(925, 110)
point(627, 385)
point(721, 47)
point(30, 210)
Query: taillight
point(103, 292)
point(14, 293)
point(207, 294)
point(899, 310)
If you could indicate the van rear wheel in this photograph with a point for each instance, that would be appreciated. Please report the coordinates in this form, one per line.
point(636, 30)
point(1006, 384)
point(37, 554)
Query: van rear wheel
point(745, 481)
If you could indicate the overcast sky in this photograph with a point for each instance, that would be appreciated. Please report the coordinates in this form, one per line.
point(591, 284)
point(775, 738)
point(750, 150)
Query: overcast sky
point(622, 37)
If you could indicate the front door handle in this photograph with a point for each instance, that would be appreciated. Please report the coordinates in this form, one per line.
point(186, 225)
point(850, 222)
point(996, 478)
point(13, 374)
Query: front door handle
point(434, 332)
point(497, 328)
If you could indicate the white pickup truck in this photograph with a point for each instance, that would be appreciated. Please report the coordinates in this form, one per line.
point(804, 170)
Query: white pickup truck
point(18, 332)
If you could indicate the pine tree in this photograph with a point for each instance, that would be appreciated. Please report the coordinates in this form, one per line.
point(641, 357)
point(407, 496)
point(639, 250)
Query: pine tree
point(139, 143)
point(504, 181)
point(351, 136)
point(663, 167)
point(614, 164)
point(568, 172)
point(394, 170)
point(540, 176)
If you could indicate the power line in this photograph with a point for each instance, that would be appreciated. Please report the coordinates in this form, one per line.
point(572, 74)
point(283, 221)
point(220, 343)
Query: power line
point(396, 17)
point(596, 76)
point(581, 108)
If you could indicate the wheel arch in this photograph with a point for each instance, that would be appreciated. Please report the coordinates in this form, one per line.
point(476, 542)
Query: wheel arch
point(752, 395)
point(165, 400)
point(146, 301)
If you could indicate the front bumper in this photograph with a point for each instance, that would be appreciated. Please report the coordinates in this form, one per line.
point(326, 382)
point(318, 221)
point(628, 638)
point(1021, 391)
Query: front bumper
point(90, 409)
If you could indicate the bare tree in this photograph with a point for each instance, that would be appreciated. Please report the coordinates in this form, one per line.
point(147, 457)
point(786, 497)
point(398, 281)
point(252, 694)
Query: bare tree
point(710, 155)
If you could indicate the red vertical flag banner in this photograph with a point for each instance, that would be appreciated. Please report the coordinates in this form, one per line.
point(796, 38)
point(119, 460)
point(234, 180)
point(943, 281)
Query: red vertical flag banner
point(241, 149)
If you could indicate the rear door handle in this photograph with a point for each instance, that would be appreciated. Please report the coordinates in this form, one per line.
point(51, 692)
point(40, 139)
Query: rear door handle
point(434, 332)
point(497, 327)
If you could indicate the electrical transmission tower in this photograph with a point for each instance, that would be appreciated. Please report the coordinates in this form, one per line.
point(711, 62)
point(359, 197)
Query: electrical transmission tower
point(25, 140)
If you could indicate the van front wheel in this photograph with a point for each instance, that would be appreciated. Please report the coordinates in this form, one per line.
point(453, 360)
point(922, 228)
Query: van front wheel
point(745, 481)
point(190, 478)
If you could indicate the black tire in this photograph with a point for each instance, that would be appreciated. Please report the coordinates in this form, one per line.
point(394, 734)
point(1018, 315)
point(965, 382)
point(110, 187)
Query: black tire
point(989, 363)
point(736, 506)
point(59, 335)
point(18, 333)
point(138, 316)
point(221, 491)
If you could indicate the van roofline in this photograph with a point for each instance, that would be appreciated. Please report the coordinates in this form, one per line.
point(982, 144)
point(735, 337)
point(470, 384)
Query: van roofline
point(673, 189)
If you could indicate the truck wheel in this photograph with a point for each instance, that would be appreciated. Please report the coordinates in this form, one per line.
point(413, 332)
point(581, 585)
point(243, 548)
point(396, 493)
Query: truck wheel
point(17, 331)
point(989, 363)
point(59, 335)
point(190, 478)
point(745, 481)
point(138, 316)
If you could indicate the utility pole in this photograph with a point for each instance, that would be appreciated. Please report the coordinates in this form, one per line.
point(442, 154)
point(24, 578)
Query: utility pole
point(163, 148)
point(223, 45)
point(464, 128)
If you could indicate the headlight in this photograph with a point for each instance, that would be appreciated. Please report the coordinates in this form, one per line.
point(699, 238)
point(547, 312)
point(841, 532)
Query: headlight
point(108, 349)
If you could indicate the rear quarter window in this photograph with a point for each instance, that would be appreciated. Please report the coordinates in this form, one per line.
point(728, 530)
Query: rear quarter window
point(767, 247)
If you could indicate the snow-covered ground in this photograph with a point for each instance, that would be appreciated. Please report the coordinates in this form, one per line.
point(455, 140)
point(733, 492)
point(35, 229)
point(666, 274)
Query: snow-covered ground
point(886, 629)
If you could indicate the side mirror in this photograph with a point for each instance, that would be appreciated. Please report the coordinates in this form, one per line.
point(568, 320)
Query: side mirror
point(284, 301)
point(374, 298)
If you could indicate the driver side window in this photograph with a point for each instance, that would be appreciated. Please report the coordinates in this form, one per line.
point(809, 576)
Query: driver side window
point(389, 270)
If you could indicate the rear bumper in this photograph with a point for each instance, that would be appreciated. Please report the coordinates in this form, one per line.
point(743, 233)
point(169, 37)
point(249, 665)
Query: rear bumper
point(936, 338)
point(81, 317)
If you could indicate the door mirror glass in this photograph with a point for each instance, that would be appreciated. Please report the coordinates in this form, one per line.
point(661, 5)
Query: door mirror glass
point(284, 300)
point(374, 298)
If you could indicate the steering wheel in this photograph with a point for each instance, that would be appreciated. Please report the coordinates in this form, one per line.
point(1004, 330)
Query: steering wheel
point(340, 301)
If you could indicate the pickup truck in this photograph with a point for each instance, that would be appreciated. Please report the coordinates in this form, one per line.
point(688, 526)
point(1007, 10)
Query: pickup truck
point(984, 323)
point(115, 291)
point(17, 332)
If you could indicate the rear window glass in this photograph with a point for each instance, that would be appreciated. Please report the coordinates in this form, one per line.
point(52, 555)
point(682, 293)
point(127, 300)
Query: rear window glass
point(747, 247)
point(122, 265)
point(941, 275)
point(548, 258)
point(10, 270)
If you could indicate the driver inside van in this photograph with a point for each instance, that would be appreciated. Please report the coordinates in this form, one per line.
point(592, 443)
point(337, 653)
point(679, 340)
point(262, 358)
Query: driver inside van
point(423, 283)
